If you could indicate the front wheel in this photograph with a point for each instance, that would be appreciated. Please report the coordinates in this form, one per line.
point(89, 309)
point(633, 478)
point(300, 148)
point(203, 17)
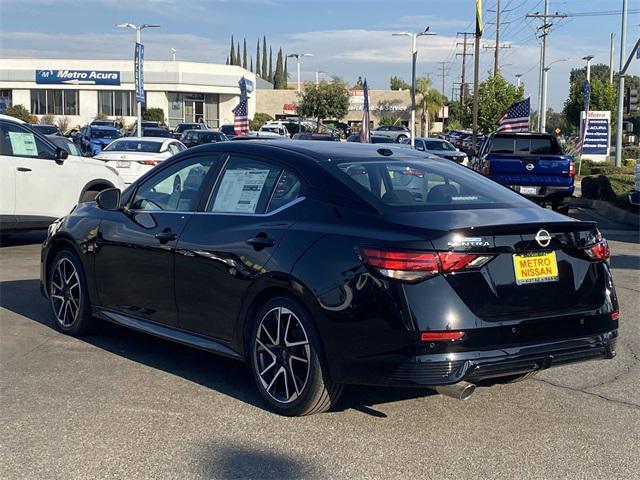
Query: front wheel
point(68, 295)
point(401, 138)
point(286, 360)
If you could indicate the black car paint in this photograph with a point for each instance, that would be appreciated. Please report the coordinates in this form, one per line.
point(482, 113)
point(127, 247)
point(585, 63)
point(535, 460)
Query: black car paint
point(369, 326)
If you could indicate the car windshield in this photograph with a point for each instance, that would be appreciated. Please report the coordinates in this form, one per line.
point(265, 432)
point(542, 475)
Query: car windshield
point(438, 145)
point(46, 129)
point(416, 186)
point(105, 133)
point(134, 146)
point(526, 145)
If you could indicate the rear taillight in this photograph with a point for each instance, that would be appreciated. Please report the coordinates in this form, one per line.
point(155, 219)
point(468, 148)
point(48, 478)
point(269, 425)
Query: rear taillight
point(572, 168)
point(448, 336)
point(412, 266)
point(598, 252)
point(150, 162)
point(615, 315)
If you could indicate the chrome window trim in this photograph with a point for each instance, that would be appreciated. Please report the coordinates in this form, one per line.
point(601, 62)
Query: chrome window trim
point(235, 214)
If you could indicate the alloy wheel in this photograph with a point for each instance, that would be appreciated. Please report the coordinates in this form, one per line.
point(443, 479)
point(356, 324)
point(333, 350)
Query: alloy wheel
point(65, 292)
point(282, 355)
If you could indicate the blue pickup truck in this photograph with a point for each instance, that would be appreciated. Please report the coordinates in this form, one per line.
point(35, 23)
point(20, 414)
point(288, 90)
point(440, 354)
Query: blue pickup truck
point(532, 164)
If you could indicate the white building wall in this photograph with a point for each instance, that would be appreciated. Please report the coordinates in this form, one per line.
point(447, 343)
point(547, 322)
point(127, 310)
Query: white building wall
point(21, 97)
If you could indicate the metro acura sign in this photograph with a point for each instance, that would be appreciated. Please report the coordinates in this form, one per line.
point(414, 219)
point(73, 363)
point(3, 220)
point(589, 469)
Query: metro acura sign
point(78, 77)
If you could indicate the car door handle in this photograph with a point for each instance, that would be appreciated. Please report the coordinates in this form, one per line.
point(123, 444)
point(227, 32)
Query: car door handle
point(261, 241)
point(23, 169)
point(166, 236)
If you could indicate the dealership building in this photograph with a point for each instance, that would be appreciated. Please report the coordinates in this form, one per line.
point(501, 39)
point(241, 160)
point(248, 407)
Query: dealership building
point(83, 89)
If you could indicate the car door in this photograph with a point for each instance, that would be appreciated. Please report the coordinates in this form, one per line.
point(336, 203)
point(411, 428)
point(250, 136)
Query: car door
point(227, 246)
point(39, 175)
point(7, 179)
point(134, 262)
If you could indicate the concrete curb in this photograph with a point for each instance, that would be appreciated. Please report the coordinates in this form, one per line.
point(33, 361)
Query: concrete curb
point(608, 210)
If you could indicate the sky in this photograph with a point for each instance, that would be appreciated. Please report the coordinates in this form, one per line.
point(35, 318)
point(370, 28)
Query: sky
point(349, 38)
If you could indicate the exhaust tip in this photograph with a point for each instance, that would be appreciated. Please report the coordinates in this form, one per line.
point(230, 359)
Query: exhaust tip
point(460, 391)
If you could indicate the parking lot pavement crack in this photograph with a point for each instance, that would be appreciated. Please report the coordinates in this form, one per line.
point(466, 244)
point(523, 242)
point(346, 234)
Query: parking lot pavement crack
point(597, 395)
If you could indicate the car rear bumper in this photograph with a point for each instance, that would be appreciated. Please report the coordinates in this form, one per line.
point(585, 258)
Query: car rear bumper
point(473, 366)
point(544, 193)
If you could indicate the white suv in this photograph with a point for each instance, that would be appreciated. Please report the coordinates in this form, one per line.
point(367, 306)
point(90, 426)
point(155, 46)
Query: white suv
point(40, 182)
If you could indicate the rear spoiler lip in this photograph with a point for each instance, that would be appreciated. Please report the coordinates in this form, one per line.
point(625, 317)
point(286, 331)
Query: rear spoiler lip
point(526, 228)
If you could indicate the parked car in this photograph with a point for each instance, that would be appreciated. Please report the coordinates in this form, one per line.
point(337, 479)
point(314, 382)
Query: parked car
point(259, 136)
point(91, 139)
point(193, 138)
point(152, 132)
point(396, 132)
point(634, 194)
point(46, 129)
point(322, 264)
point(228, 130)
point(530, 163)
point(41, 181)
point(65, 143)
point(104, 123)
point(438, 147)
point(344, 128)
point(355, 137)
point(275, 128)
point(183, 127)
point(316, 136)
point(132, 157)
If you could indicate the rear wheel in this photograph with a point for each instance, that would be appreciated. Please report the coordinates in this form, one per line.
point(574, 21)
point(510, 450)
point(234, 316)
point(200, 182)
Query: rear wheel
point(401, 138)
point(68, 295)
point(286, 360)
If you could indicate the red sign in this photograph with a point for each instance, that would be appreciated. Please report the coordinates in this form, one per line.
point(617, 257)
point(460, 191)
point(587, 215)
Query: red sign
point(289, 108)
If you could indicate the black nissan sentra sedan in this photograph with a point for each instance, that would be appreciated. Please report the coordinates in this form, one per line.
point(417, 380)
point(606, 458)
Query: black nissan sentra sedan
point(323, 264)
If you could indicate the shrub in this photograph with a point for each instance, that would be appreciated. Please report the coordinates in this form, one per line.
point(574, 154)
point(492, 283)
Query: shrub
point(612, 188)
point(389, 120)
point(630, 152)
point(101, 116)
point(608, 168)
point(589, 188)
point(259, 119)
point(584, 167)
point(18, 111)
point(63, 124)
point(153, 115)
point(47, 119)
point(629, 162)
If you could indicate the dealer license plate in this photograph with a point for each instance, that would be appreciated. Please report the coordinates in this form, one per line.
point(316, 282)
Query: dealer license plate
point(535, 268)
point(529, 190)
point(122, 164)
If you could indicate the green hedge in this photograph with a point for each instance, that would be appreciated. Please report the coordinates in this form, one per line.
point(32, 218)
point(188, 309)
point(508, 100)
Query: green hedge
point(612, 188)
point(630, 152)
point(604, 168)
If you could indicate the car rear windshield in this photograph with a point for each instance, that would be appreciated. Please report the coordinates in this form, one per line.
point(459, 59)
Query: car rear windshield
point(186, 126)
point(46, 129)
point(105, 133)
point(156, 132)
point(438, 145)
point(526, 145)
point(134, 146)
point(419, 186)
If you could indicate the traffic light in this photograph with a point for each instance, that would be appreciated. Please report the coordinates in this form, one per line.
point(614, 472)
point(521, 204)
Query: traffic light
point(631, 100)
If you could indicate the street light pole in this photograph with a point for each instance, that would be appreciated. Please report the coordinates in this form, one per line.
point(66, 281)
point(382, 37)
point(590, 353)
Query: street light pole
point(620, 113)
point(588, 58)
point(414, 57)
point(518, 76)
point(298, 56)
point(138, 29)
point(543, 120)
point(318, 76)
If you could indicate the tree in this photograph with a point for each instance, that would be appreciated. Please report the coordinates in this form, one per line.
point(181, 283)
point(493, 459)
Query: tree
point(251, 66)
point(396, 83)
point(238, 58)
point(495, 96)
point(389, 120)
point(258, 70)
point(227, 62)
point(259, 119)
point(599, 71)
point(286, 72)
point(430, 102)
point(232, 53)
point(18, 111)
point(153, 115)
point(244, 54)
point(278, 77)
point(265, 68)
point(326, 100)
point(603, 97)
point(270, 65)
point(459, 116)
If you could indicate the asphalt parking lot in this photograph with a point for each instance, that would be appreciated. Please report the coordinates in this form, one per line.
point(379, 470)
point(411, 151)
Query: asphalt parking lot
point(119, 404)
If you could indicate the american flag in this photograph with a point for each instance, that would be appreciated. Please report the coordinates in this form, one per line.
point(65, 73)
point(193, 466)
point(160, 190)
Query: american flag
point(365, 133)
point(241, 112)
point(516, 118)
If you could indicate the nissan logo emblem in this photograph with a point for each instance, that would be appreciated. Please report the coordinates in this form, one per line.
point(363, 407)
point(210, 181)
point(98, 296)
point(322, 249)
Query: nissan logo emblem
point(543, 238)
point(530, 166)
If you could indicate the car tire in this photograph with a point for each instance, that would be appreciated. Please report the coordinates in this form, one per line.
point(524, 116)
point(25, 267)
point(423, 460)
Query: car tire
point(401, 138)
point(287, 362)
point(68, 295)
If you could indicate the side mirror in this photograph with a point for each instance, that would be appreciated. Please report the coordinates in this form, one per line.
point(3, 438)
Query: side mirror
point(109, 199)
point(61, 155)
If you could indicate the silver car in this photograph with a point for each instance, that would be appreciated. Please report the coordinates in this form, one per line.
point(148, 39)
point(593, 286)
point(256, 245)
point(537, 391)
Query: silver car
point(396, 132)
point(439, 147)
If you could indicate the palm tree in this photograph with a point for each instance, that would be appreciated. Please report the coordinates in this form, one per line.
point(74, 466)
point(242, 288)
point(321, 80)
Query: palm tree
point(430, 102)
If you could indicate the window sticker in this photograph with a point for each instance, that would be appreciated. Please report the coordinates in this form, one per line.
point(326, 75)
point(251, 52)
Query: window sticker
point(240, 191)
point(23, 143)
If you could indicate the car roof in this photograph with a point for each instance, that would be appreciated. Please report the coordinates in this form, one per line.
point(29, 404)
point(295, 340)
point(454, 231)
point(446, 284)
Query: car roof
point(148, 139)
point(103, 127)
point(11, 119)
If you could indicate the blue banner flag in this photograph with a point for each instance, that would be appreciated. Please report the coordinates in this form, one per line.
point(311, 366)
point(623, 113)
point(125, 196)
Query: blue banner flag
point(139, 72)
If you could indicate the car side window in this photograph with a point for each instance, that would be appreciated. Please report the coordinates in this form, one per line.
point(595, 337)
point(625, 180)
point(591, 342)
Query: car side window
point(287, 189)
point(173, 148)
point(420, 145)
point(18, 141)
point(174, 188)
point(245, 186)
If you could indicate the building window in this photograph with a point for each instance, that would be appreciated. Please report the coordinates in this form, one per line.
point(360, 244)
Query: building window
point(193, 107)
point(116, 103)
point(54, 102)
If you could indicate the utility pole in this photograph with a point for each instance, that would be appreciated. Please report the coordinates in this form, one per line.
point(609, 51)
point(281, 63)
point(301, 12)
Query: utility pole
point(476, 75)
point(444, 75)
point(464, 56)
point(611, 48)
point(542, 117)
point(620, 116)
point(497, 46)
